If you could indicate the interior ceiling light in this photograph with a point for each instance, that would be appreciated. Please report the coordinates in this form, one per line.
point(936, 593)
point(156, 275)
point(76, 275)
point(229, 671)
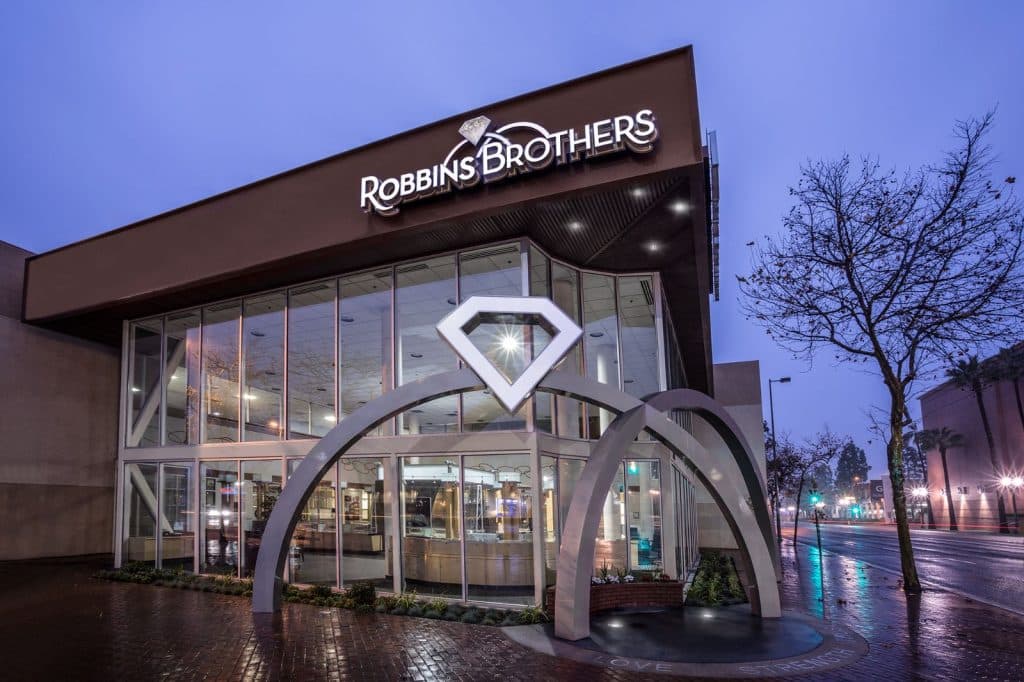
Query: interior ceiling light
point(679, 207)
point(653, 247)
point(638, 192)
point(330, 418)
point(575, 226)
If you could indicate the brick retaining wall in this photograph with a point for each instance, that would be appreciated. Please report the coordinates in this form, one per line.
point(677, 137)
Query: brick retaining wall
point(603, 597)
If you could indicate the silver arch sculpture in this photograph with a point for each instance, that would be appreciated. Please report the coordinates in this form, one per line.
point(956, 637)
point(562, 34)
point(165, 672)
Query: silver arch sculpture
point(726, 480)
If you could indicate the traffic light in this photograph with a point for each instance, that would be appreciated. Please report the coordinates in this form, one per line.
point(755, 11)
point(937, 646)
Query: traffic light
point(855, 510)
point(815, 497)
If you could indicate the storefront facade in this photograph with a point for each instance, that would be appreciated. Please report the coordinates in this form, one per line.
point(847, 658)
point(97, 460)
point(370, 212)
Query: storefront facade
point(252, 323)
point(457, 497)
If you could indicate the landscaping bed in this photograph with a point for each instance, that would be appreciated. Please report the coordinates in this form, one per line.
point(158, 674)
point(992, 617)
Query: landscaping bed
point(360, 597)
point(716, 582)
point(612, 589)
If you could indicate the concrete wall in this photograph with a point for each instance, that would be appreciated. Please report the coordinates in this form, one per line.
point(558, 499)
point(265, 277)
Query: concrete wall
point(58, 433)
point(738, 389)
point(970, 466)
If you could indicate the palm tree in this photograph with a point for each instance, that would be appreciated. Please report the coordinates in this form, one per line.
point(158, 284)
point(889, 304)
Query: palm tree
point(1009, 366)
point(943, 439)
point(969, 375)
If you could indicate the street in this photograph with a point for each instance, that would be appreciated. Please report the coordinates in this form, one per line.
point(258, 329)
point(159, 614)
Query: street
point(988, 568)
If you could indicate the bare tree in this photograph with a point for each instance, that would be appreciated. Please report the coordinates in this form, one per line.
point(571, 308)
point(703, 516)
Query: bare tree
point(823, 449)
point(895, 271)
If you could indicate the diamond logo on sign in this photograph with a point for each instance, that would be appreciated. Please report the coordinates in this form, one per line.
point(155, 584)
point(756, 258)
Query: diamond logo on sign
point(474, 129)
point(509, 313)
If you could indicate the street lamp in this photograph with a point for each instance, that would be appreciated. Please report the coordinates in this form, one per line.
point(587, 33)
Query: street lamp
point(775, 453)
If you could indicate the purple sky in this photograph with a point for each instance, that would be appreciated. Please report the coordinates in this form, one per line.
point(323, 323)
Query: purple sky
point(115, 111)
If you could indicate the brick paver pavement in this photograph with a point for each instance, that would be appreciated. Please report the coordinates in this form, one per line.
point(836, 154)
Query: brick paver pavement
point(58, 623)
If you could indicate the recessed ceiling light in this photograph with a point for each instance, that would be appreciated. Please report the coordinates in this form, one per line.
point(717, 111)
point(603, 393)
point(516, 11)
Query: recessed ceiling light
point(653, 246)
point(330, 418)
point(679, 207)
point(215, 414)
point(638, 192)
point(575, 226)
point(136, 389)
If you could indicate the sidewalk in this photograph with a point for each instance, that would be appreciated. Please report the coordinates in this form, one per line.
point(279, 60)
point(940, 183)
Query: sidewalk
point(58, 623)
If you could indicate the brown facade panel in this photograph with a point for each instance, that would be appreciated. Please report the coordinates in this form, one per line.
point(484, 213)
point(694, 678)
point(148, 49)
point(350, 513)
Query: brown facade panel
point(315, 209)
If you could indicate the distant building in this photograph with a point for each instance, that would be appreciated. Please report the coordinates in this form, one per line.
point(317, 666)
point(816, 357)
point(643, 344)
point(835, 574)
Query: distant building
point(973, 481)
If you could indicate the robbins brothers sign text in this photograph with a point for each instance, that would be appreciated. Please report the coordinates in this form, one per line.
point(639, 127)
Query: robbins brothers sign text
point(497, 156)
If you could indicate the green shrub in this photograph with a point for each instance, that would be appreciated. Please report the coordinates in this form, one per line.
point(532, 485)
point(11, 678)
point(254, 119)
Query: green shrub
point(399, 611)
point(488, 620)
point(416, 610)
point(734, 586)
point(319, 592)
point(363, 593)
point(406, 600)
point(437, 605)
point(531, 615)
point(471, 616)
point(364, 608)
point(388, 602)
point(714, 590)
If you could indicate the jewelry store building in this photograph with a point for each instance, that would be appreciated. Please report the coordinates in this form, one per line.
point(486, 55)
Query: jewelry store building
point(252, 323)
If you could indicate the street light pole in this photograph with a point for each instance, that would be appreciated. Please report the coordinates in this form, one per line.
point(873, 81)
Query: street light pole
point(775, 458)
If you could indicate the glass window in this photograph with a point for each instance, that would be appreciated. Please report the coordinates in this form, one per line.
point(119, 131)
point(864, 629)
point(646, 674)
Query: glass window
point(139, 522)
point(220, 372)
point(311, 360)
point(610, 550)
point(640, 375)
point(263, 345)
point(495, 271)
point(218, 547)
point(364, 329)
point(431, 529)
point(183, 331)
point(544, 403)
point(498, 504)
point(600, 341)
point(177, 519)
point(549, 488)
point(144, 384)
point(565, 293)
point(366, 522)
point(261, 486)
point(643, 514)
point(312, 555)
point(425, 294)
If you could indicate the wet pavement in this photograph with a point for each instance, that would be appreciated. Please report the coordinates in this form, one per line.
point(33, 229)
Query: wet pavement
point(984, 566)
point(58, 623)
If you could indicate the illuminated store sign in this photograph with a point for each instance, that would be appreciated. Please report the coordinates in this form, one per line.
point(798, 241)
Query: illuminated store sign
point(513, 149)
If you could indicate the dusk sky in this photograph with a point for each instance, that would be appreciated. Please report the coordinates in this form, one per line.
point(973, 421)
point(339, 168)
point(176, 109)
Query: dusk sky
point(115, 111)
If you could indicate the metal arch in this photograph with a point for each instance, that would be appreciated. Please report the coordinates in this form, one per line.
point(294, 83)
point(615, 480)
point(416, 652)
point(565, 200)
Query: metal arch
point(576, 553)
point(726, 486)
point(267, 583)
point(723, 424)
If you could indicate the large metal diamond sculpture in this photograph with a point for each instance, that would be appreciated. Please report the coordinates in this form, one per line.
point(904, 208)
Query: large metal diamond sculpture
point(511, 393)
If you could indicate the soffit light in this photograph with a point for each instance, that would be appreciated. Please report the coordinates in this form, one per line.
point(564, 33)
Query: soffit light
point(679, 207)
